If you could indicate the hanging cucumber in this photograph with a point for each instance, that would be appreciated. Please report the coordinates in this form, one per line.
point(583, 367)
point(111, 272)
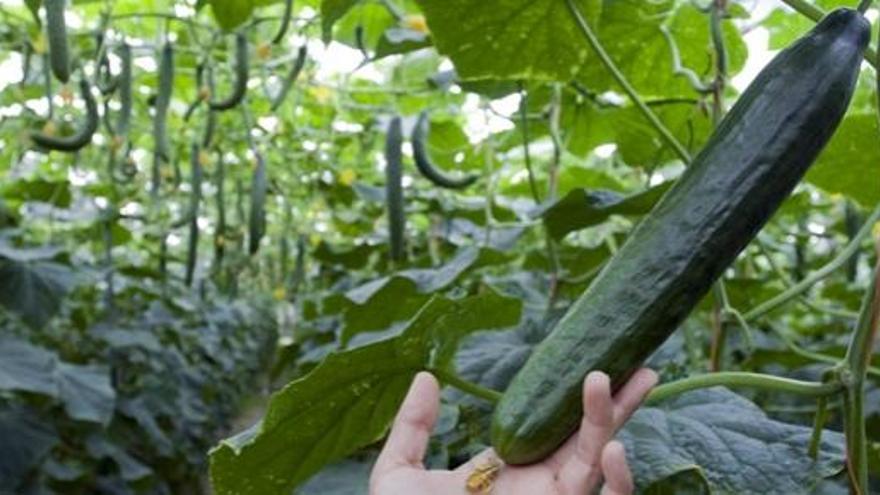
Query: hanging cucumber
point(285, 22)
point(394, 189)
point(220, 230)
point(298, 65)
point(56, 31)
point(756, 156)
point(241, 76)
point(81, 137)
point(123, 122)
point(211, 115)
point(160, 118)
point(195, 199)
point(257, 220)
point(424, 163)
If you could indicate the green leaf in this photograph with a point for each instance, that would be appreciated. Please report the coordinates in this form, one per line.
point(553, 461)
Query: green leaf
point(730, 442)
point(332, 11)
point(848, 159)
point(84, 390)
point(56, 193)
point(34, 7)
point(343, 478)
point(581, 208)
point(509, 39)
point(26, 442)
point(230, 14)
point(630, 32)
point(33, 289)
point(348, 401)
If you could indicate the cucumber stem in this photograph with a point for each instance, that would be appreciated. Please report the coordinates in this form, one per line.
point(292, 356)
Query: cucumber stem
point(453, 380)
point(625, 84)
point(743, 379)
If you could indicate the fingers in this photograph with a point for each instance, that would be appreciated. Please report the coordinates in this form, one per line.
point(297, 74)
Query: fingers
point(582, 468)
point(408, 440)
point(582, 471)
point(618, 478)
point(631, 395)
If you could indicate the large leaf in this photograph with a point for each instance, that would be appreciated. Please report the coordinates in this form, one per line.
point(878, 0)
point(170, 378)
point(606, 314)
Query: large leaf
point(388, 300)
point(580, 208)
point(84, 390)
point(846, 161)
point(509, 39)
point(31, 285)
point(348, 401)
point(332, 11)
point(26, 441)
point(630, 32)
point(730, 442)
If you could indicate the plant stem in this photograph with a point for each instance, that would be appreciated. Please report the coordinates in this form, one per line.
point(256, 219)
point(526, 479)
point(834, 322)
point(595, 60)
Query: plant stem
point(453, 380)
point(855, 367)
point(864, 5)
point(801, 287)
point(743, 379)
point(816, 14)
point(524, 125)
point(624, 83)
point(818, 425)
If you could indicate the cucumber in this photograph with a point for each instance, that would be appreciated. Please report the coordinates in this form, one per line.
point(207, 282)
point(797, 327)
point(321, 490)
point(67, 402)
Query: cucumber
point(160, 118)
point(239, 87)
point(756, 156)
point(123, 123)
point(220, 229)
point(195, 199)
point(424, 163)
point(81, 137)
point(56, 31)
point(257, 220)
point(211, 116)
point(298, 65)
point(394, 189)
point(285, 22)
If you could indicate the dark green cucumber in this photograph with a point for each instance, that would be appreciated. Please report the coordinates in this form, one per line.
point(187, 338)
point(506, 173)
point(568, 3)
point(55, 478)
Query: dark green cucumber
point(423, 159)
point(239, 87)
point(160, 117)
point(257, 221)
point(757, 155)
point(211, 115)
point(394, 189)
point(285, 22)
point(81, 137)
point(220, 229)
point(123, 122)
point(56, 31)
point(195, 199)
point(298, 65)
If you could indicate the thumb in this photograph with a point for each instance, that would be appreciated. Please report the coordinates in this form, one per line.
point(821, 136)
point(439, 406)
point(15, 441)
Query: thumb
point(408, 440)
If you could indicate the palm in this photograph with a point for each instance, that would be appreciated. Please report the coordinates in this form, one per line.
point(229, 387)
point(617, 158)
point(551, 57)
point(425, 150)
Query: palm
point(577, 467)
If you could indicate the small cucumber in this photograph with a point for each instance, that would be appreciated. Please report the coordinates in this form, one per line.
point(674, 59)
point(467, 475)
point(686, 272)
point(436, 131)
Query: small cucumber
point(423, 159)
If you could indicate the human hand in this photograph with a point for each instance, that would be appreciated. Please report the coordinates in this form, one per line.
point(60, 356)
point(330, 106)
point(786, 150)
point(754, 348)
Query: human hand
point(577, 467)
